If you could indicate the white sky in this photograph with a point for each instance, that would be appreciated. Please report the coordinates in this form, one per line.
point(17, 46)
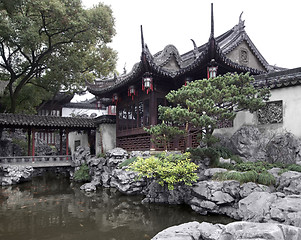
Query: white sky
point(272, 25)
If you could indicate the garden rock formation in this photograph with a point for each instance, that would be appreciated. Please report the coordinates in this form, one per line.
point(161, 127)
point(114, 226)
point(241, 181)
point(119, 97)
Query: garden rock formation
point(235, 230)
point(14, 174)
point(253, 145)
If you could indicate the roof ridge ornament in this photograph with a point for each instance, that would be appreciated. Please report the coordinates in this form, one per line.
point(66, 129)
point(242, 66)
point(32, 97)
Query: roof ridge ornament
point(241, 23)
point(195, 49)
point(212, 22)
point(142, 38)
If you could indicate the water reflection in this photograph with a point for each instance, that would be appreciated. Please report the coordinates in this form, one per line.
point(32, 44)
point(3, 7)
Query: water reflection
point(53, 208)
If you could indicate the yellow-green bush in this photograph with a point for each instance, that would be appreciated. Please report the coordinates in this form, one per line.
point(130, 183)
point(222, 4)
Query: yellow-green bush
point(168, 169)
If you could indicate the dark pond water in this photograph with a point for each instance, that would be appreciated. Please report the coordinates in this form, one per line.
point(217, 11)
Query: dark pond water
point(52, 208)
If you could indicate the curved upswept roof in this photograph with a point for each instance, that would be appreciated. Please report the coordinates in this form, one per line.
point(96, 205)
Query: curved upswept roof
point(168, 63)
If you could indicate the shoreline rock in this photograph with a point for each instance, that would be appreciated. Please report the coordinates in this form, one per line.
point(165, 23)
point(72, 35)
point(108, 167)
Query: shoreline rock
point(235, 230)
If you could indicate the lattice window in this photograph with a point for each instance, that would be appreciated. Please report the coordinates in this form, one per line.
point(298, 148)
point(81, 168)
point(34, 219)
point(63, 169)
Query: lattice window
point(132, 143)
point(271, 113)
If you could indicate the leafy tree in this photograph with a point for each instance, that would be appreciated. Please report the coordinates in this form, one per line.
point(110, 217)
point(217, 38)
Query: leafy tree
point(51, 46)
point(202, 104)
point(163, 134)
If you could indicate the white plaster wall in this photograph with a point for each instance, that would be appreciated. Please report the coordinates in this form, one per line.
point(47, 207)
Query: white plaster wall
point(68, 112)
point(106, 136)
point(291, 100)
point(74, 136)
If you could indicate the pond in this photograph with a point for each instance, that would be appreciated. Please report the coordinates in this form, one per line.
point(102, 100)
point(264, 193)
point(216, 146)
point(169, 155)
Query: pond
point(53, 208)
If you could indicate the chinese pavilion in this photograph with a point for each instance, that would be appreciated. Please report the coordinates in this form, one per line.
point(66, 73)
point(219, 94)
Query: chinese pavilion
point(138, 93)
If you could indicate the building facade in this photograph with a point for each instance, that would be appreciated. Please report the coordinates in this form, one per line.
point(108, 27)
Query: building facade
point(138, 94)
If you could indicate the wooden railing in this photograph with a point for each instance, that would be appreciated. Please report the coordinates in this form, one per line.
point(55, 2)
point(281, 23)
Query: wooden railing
point(38, 161)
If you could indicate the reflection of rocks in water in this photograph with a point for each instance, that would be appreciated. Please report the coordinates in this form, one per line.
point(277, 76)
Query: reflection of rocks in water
point(52, 208)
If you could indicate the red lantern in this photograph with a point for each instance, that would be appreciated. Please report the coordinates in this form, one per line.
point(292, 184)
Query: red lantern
point(147, 84)
point(211, 72)
point(98, 104)
point(132, 92)
point(187, 80)
point(115, 98)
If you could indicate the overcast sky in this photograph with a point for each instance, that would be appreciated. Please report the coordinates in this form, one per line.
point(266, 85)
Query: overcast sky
point(273, 26)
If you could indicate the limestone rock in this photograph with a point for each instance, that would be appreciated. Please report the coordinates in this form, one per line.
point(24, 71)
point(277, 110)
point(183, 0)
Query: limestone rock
point(127, 182)
point(235, 230)
point(290, 183)
point(88, 187)
point(283, 148)
point(249, 143)
point(247, 188)
point(13, 174)
point(269, 207)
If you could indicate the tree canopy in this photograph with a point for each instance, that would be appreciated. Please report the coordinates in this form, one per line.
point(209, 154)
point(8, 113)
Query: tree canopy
point(203, 104)
point(47, 46)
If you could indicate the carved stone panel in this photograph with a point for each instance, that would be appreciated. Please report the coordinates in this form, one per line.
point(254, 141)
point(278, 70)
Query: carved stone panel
point(243, 56)
point(271, 113)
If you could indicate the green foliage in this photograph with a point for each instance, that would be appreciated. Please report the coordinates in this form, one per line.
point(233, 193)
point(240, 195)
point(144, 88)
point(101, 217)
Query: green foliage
point(294, 167)
point(199, 154)
point(101, 155)
point(169, 169)
point(264, 178)
point(51, 46)
point(22, 144)
point(127, 162)
point(202, 104)
point(163, 134)
point(82, 174)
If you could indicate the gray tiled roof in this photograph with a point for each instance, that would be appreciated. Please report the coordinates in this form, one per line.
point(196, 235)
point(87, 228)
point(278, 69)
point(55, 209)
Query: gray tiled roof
point(38, 121)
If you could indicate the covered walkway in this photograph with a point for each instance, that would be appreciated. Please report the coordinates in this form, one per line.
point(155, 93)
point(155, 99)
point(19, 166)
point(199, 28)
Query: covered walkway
point(35, 123)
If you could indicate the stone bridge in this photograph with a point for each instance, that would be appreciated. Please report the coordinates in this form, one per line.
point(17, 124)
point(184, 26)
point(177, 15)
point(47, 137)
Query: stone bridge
point(38, 161)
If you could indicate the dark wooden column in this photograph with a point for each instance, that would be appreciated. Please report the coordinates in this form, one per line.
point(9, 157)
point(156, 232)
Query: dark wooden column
point(67, 143)
point(61, 141)
point(28, 141)
point(153, 115)
point(33, 143)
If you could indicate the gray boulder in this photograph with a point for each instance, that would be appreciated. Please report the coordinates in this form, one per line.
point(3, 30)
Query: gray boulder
point(235, 230)
point(271, 207)
point(290, 183)
point(283, 148)
point(249, 143)
point(13, 174)
point(127, 182)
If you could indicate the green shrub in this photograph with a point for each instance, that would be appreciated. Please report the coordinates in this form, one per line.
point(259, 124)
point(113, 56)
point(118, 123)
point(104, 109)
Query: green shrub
point(236, 158)
point(168, 169)
point(294, 167)
point(82, 174)
point(101, 155)
point(199, 154)
point(266, 178)
point(127, 162)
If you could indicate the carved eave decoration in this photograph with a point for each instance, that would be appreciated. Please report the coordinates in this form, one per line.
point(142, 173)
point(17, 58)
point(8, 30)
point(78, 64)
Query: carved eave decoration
point(281, 79)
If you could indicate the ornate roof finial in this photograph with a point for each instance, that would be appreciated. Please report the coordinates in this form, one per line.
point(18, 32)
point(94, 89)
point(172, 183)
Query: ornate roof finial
point(212, 22)
point(241, 23)
point(142, 38)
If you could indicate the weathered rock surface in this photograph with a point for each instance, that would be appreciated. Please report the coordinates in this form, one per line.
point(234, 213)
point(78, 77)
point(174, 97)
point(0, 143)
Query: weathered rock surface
point(290, 183)
point(249, 143)
point(271, 207)
point(253, 145)
point(127, 182)
point(235, 230)
point(14, 174)
point(155, 193)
